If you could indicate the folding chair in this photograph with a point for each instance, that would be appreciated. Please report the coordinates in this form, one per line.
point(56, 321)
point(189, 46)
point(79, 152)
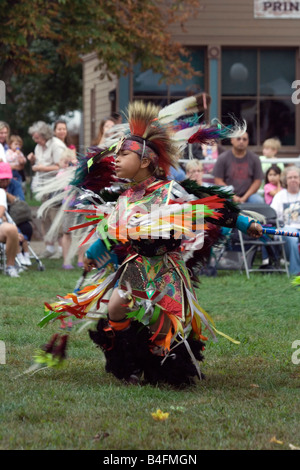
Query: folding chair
point(253, 246)
point(228, 255)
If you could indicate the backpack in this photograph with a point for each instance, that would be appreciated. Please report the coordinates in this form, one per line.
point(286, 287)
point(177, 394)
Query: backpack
point(20, 211)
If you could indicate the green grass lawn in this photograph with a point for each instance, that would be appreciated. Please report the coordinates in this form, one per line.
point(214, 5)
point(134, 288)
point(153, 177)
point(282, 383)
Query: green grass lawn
point(250, 395)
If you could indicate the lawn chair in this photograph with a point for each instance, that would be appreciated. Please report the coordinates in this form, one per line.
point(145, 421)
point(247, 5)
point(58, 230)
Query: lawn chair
point(274, 246)
point(228, 254)
point(241, 252)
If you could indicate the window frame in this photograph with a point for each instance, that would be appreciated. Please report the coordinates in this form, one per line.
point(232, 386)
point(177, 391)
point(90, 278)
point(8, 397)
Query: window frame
point(258, 98)
point(169, 96)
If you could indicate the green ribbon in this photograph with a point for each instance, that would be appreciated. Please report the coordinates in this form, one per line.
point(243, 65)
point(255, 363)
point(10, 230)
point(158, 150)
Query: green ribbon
point(50, 316)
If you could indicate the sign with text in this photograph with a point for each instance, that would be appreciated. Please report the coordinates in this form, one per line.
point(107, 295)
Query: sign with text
point(276, 9)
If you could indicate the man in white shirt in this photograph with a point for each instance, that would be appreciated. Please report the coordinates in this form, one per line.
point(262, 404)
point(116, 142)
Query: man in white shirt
point(8, 235)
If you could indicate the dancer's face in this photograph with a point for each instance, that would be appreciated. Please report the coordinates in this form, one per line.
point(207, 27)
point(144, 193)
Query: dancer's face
point(129, 165)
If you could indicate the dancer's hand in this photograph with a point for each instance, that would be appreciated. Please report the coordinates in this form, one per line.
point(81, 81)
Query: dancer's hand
point(255, 230)
point(89, 264)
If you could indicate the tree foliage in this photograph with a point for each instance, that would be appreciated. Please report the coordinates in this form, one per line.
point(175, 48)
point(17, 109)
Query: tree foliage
point(121, 32)
point(42, 44)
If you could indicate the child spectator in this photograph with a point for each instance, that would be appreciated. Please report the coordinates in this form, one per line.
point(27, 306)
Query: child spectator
point(209, 152)
point(15, 157)
point(194, 170)
point(68, 158)
point(270, 149)
point(272, 183)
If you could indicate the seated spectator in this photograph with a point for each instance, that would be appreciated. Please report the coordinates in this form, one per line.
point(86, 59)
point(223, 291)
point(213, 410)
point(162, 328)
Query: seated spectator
point(177, 174)
point(193, 152)
point(45, 165)
point(14, 191)
point(272, 183)
point(68, 158)
point(287, 206)
point(270, 149)
point(210, 152)
point(15, 157)
point(4, 135)
point(194, 170)
point(105, 125)
point(240, 168)
point(8, 235)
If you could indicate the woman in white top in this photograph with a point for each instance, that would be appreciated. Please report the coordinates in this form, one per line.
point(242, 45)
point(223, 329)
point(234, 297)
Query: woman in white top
point(287, 206)
point(47, 152)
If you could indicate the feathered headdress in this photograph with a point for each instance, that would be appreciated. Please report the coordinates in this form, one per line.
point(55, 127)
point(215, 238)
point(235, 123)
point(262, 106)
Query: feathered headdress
point(183, 115)
point(162, 134)
point(148, 137)
point(184, 107)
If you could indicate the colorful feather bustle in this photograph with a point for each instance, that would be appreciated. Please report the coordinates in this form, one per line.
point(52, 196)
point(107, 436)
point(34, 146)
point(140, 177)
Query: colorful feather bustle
point(97, 177)
point(186, 106)
point(200, 192)
point(208, 135)
point(213, 235)
point(296, 281)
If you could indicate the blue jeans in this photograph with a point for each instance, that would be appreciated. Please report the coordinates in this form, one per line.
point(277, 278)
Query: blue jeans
point(255, 199)
point(292, 251)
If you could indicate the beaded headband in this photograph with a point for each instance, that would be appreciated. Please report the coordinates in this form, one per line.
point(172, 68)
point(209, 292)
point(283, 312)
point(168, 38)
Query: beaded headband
point(142, 147)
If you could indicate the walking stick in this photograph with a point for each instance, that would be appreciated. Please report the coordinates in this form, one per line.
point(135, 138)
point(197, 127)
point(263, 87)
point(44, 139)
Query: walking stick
point(276, 231)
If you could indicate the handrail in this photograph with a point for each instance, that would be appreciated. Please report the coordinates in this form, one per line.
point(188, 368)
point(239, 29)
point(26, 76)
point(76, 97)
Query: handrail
point(263, 160)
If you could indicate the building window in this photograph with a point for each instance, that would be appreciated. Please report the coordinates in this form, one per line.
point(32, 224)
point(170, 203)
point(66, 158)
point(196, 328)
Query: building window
point(257, 86)
point(146, 86)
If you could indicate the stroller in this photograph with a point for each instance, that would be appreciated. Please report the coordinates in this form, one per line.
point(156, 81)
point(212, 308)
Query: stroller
point(19, 266)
